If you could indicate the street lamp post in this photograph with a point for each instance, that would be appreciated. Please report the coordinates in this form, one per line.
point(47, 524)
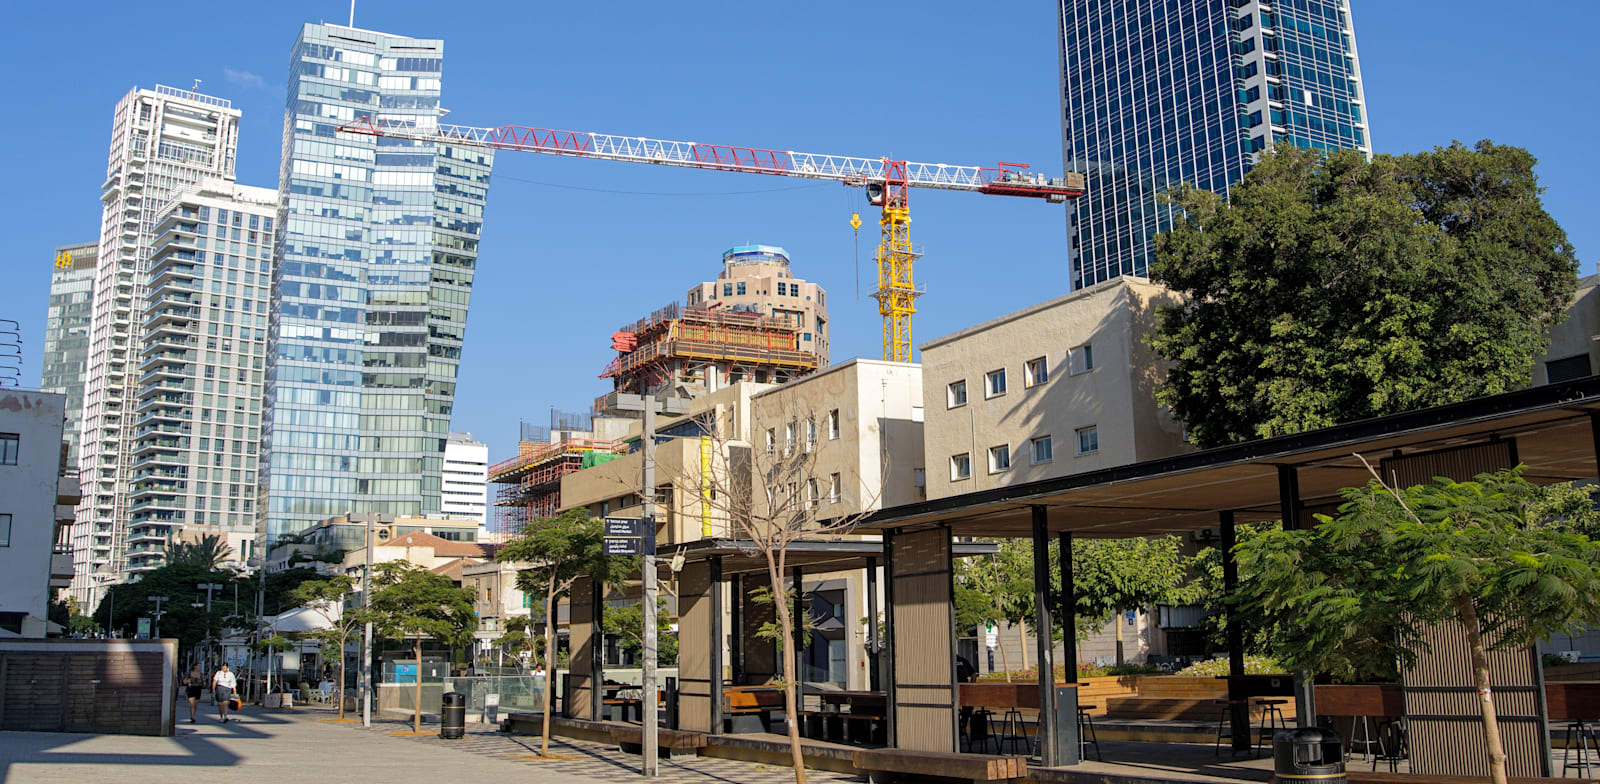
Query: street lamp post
point(208, 588)
point(158, 613)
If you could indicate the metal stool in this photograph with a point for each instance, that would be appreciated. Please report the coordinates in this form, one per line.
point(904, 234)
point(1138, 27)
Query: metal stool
point(1366, 740)
point(1394, 744)
point(1271, 721)
point(1086, 733)
point(1013, 728)
point(1588, 736)
point(1225, 723)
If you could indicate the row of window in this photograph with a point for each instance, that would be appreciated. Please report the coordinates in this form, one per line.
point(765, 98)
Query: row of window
point(1042, 449)
point(1034, 372)
point(789, 431)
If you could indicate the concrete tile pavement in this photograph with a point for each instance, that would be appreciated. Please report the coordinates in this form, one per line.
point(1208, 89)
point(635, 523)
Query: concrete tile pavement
point(276, 747)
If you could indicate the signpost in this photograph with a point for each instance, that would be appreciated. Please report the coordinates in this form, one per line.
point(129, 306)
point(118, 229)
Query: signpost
point(650, 705)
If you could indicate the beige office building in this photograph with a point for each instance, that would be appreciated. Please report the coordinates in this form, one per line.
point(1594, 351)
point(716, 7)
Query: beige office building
point(757, 279)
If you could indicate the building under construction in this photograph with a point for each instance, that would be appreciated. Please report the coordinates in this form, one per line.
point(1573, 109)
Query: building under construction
point(529, 485)
point(689, 352)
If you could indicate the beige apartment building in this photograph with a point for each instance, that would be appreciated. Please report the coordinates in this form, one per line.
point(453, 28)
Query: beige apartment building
point(1060, 388)
point(757, 279)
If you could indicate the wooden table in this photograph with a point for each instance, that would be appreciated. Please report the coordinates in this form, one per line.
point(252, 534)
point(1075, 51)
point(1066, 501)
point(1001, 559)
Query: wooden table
point(850, 716)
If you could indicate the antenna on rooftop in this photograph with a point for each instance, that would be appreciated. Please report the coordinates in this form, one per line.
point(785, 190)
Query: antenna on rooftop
point(352, 13)
point(196, 87)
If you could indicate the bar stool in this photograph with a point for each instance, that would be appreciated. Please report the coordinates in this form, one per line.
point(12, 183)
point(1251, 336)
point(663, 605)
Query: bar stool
point(1271, 721)
point(1588, 737)
point(1013, 728)
point(1366, 740)
point(1225, 721)
point(1394, 744)
point(1086, 733)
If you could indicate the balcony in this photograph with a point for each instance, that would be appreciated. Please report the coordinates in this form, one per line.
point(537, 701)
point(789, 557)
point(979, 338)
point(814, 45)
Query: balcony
point(68, 491)
point(61, 567)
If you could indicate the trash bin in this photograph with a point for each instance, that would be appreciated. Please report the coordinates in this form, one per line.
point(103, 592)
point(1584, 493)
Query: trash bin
point(453, 716)
point(1308, 754)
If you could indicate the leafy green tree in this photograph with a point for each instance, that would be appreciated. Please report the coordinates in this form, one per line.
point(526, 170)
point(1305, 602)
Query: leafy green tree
point(558, 550)
point(1110, 576)
point(996, 589)
point(180, 619)
point(1212, 594)
point(411, 602)
point(208, 553)
point(327, 598)
point(521, 640)
point(1356, 593)
point(626, 624)
point(1330, 289)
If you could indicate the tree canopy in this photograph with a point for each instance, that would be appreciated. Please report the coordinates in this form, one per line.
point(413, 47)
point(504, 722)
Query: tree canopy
point(1330, 289)
point(1357, 593)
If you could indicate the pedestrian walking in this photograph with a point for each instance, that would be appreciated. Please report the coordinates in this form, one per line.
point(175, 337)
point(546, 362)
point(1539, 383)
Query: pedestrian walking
point(222, 685)
point(194, 682)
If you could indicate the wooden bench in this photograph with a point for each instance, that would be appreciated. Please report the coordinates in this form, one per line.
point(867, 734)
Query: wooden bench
point(884, 765)
point(845, 726)
point(743, 705)
point(670, 743)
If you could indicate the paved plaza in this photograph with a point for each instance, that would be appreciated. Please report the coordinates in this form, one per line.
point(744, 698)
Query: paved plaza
point(303, 745)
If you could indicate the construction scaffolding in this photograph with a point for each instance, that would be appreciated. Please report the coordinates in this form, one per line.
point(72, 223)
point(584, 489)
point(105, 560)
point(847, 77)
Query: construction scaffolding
point(692, 351)
point(530, 483)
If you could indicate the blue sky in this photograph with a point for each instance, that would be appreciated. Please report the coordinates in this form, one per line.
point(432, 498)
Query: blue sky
point(573, 249)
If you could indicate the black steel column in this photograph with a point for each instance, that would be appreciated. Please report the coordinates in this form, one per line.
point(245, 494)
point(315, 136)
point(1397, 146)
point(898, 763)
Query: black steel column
point(1049, 749)
point(1238, 715)
point(1305, 704)
point(736, 641)
point(597, 651)
point(1068, 611)
point(890, 696)
point(874, 678)
point(798, 651)
point(714, 687)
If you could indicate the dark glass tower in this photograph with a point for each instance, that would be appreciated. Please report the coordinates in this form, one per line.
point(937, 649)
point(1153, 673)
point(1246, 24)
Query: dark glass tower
point(376, 249)
point(1161, 92)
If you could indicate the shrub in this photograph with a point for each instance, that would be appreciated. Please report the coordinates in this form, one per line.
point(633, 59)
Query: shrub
point(1216, 668)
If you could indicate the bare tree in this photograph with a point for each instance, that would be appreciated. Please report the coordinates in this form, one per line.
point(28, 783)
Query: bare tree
point(769, 496)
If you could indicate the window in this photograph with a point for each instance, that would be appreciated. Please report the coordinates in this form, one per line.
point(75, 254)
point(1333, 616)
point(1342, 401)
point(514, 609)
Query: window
point(1043, 450)
point(788, 438)
point(994, 383)
point(9, 447)
point(741, 289)
point(999, 458)
point(1035, 372)
point(783, 289)
point(1088, 440)
point(960, 467)
point(727, 289)
point(1557, 370)
point(833, 424)
point(811, 434)
point(956, 394)
point(811, 493)
point(1083, 359)
point(5, 530)
point(772, 440)
point(835, 488)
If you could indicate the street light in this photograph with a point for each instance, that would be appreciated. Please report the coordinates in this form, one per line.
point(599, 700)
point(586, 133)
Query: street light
point(158, 613)
point(206, 646)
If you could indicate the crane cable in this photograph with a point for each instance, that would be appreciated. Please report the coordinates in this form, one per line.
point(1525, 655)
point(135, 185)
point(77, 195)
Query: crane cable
point(855, 226)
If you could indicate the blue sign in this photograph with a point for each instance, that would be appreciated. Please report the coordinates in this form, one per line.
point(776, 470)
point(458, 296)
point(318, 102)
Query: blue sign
point(405, 673)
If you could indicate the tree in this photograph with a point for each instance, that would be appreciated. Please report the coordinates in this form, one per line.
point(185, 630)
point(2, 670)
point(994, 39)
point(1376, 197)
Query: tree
point(1330, 289)
point(996, 589)
point(626, 624)
point(326, 598)
point(409, 601)
point(557, 551)
point(1357, 592)
point(1110, 576)
point(208, 553)
point(770, 498)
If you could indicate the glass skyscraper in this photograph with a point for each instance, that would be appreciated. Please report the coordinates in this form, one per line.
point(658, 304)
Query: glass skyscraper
point(377, 241)
point(1161, 92)
point(66, 332)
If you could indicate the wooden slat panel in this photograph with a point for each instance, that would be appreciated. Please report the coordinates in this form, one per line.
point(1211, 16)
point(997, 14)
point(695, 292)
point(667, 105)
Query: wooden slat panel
point(1443, 713)
point(923, 660)
point(694, 647)
point(760, 655)
point(581, 641)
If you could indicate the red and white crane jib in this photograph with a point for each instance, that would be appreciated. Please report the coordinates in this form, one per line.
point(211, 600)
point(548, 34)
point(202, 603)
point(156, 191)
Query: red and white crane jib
point(1005, 179)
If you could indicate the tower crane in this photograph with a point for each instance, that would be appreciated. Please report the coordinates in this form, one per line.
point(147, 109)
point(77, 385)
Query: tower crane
point(886, 182)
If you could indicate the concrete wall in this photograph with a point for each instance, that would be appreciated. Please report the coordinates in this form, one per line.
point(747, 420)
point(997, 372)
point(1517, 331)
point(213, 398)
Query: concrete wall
point(1575, 336)
point(1116, 396)
point(28, 490)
